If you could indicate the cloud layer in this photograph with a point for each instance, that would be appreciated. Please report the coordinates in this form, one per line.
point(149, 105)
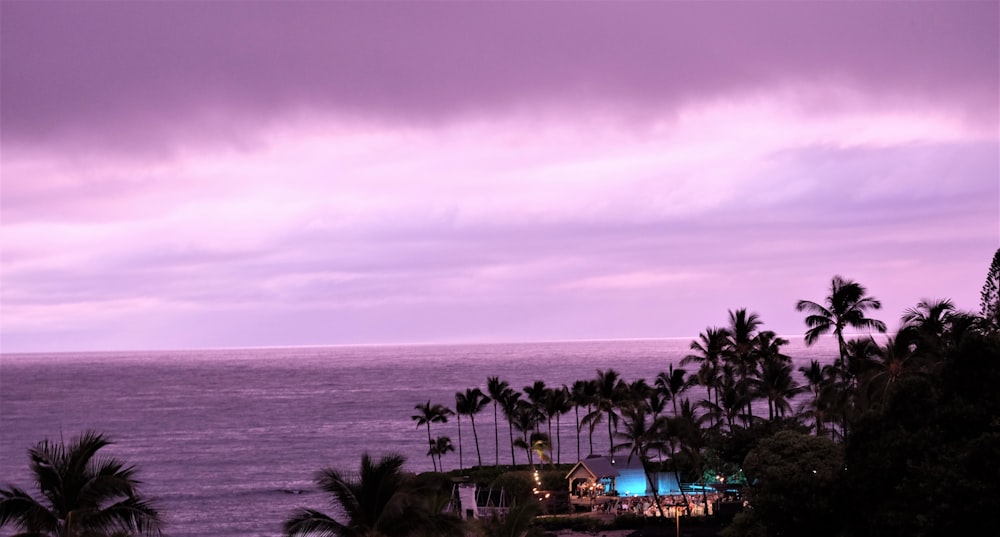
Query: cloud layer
point(218, 174)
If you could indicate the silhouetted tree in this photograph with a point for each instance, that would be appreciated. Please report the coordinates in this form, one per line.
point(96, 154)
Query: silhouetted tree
point(83, 495)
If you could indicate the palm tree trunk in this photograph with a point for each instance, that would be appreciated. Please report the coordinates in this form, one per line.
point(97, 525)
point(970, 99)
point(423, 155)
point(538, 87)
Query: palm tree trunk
point(461, 465)
point(655, 488)
point(496, 433)
point(558, 441)
point(611, 443)
point(511, 427)
point(578, 454)
point(590, 432)
point(475, 436)
point(430, 444)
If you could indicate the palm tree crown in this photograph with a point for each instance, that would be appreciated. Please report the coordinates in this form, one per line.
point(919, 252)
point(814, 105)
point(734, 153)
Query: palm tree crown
point(83, 495)
point(846, 306)
point(380, 501)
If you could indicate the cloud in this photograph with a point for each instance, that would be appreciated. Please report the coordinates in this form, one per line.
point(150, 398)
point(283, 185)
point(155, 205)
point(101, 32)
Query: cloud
point(153, 78)
point(192, 174)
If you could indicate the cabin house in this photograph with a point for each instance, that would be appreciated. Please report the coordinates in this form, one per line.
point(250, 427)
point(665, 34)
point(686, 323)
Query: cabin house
point(598, 475)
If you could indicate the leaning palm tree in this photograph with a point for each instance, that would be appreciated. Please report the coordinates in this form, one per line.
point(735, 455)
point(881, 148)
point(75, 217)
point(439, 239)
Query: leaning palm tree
point(83, 495)
point(496, 389)
point(380, 501)
point(427, 414)
point(846, 306)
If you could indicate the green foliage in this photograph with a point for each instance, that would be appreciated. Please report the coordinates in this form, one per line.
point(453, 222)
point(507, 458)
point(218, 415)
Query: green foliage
point(379, 501)
point(553, 479)
point(518, 486)
point(926, 465)
point(989, 299)
point(794, 483)
point(519, 522)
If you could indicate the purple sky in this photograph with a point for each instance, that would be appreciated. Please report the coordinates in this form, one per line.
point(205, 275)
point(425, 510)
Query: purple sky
point(184, 174)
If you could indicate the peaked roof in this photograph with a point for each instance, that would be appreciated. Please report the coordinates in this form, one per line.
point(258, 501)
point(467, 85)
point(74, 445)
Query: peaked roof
point(595, 467)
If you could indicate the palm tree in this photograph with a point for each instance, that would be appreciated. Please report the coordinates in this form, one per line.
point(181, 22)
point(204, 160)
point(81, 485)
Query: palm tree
point(496, 388)
point(610, 391)
point(538, 394)
point(778, 386)
point(775, 381)
point(820, 382)
point(525, 418)
point(556, 404)
point(439, 447)
point(892, 363)
point(584, 393)
point(846, 306)
point(640, 437)
point(708, 354)
point(927, 328)
point(379, 501)
point(428, 414)
point(740, 352)
point(510, 399)
point(469, 404)
point(671, 383)
point(83, 494)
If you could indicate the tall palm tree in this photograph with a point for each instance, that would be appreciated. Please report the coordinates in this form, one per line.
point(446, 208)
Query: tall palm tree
point(428, 414)
point(379, 501)
point(556, 404)
point(740, 352)
point(845, 306)
point(510, 400)
point(611, 390)
point(709, 349)
point(584, 395)
point(641, 436)
point(525, 418)
point(82, 494)
point(469, 404)
point(496, 389)
point(538, 393)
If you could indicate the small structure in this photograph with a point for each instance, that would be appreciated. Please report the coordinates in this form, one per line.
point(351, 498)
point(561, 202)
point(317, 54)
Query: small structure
point(598, 475)
point(470, 501)
point(595, 475)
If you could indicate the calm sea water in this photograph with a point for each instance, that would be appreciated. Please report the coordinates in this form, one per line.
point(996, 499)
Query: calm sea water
point(228, 440)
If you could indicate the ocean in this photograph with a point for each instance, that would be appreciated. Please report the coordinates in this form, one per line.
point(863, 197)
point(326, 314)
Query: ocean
point(227, 441)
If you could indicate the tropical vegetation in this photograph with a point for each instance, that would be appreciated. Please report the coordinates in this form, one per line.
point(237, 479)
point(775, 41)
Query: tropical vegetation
point(82, 494)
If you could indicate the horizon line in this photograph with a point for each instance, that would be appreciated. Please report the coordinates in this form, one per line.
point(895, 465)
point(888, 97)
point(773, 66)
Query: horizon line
point(382, 344)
